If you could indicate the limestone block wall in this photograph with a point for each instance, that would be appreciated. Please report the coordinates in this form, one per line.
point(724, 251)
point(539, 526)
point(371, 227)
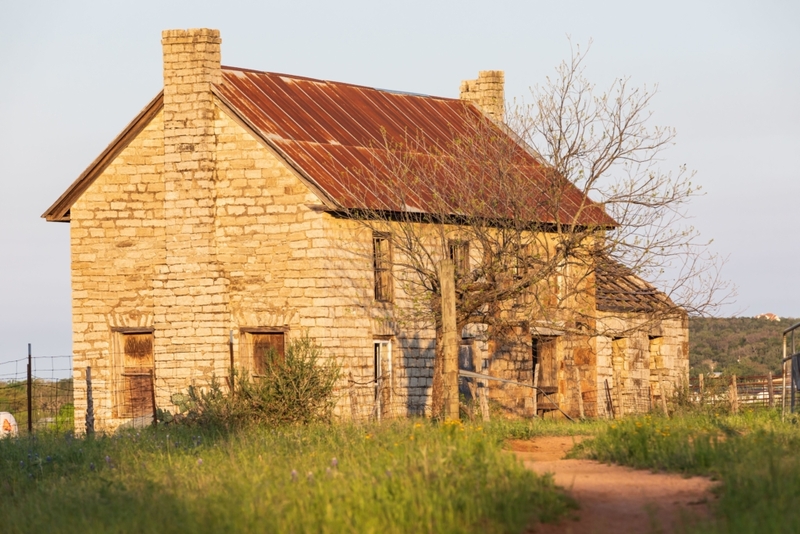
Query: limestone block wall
point(117, 233)
point(642, 356)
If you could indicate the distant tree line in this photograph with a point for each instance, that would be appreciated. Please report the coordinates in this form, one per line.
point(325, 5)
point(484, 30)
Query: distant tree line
point(736, 345)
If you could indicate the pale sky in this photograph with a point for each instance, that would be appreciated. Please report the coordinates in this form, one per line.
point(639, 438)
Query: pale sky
point(75, 73)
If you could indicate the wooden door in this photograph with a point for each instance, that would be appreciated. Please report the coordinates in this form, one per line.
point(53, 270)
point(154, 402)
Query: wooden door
point(137, 375)
point(544, 354)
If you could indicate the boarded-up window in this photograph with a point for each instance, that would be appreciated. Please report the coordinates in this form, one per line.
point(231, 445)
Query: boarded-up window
point(268, 348)
point(459, 253)
point(137, 375)
point(382, 264)
point(544, 354)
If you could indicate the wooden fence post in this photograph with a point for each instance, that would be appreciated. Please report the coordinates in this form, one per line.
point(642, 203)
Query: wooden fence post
point(449, 339)
point(609, 404)
point(580, 392)
point(89, 402)
point(734, 396)
point(770, 390)
point(663, 392)
point(701, 380)
point(536, 391)
point(483, 393)
point(620, 407)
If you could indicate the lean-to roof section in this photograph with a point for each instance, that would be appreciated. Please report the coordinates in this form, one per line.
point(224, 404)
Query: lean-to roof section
point(620, 290)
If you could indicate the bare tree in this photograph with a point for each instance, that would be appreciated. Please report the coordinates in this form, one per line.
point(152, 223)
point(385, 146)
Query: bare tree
point(510, 205)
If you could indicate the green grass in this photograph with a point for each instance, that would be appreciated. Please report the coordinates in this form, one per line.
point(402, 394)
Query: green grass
point(755, 457)
point(406, 476)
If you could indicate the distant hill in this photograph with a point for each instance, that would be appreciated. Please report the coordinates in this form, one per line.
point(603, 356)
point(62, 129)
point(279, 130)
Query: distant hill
point(737, 345)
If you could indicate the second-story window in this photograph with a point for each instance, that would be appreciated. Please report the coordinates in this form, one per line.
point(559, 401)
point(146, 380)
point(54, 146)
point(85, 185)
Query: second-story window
point(382, 266)
point(459, 253)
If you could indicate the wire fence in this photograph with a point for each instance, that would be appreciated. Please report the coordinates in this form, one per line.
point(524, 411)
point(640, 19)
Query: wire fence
point(732, 392)
point(38, 392)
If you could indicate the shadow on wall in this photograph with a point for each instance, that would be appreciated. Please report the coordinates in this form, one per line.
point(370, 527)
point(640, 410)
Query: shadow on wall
point(417, 357)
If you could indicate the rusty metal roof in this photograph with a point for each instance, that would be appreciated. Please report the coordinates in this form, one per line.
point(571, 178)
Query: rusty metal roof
point(620, 290)
point(365, 148)
point(368, 148)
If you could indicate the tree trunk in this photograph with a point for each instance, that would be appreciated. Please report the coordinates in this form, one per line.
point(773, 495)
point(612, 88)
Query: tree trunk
point(444, 394)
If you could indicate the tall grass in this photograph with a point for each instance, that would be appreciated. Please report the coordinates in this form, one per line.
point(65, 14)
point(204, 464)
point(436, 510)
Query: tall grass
point(407, 476)
point(754, 456)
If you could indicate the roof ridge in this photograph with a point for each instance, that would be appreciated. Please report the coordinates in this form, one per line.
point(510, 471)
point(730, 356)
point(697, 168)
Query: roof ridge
point(349, 84)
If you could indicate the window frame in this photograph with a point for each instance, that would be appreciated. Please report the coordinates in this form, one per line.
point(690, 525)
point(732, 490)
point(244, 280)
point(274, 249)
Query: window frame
point(258, 365)
point(382, 265)
point(458, 252)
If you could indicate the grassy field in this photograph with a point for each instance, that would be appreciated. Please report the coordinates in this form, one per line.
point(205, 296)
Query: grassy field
point(406, 476)
point(755, 457)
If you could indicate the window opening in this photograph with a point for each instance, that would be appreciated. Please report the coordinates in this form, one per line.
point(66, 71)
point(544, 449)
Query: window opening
point(267, 348)
point(382, 266)
point(459, 253)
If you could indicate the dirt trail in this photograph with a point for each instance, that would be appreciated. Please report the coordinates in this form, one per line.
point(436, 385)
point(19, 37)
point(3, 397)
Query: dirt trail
point(615, 499)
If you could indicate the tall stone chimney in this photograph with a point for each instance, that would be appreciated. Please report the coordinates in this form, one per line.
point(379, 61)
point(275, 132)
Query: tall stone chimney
point(190, 289)
point(487, 92)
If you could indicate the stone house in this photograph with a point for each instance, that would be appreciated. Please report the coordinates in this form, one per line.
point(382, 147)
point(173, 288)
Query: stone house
point(208, 231)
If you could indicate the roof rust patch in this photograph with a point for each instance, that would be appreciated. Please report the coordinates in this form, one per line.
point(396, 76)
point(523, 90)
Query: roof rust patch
point(365, 148)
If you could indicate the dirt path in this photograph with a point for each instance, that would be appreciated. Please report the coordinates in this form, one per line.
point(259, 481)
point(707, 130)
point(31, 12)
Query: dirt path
point(615, 499)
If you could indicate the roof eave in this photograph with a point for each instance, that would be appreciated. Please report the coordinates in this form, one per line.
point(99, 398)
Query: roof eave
point(59, 211)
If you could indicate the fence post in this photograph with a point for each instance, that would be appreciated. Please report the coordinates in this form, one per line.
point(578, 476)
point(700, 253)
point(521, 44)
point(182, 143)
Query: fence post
point(30, 391)
point(620, 397)
point(580, 393)
point(734, 396)
point(535, 390)
point(663, 392)
point(89, 402)
point(153, 396)
point(770, 390)
point(483, 393)
point(609, 404)
point(354, 412)
point(701, 380)
point(232, 371)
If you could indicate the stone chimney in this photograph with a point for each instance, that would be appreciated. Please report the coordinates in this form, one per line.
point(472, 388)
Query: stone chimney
point(190, 289)
point(487, 93)
point(191, 66)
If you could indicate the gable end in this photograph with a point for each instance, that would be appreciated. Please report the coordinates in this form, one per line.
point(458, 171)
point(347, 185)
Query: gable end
point(59, 211)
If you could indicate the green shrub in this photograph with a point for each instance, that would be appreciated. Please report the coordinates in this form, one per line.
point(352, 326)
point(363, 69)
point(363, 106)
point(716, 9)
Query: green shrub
point(297, 389)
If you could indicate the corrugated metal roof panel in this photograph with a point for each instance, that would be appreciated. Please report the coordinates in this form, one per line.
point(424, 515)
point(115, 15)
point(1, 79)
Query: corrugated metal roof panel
point(373, 149)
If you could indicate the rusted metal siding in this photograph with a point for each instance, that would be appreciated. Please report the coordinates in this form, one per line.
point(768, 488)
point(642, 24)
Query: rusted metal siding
point(346, 137)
